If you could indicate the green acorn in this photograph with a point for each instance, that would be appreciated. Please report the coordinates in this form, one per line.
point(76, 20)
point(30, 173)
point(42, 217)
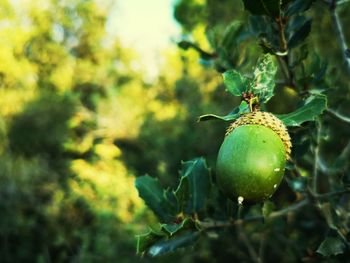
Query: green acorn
point(252, 158)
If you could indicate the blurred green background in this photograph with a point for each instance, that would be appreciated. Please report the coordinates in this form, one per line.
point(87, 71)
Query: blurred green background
point(91, 97)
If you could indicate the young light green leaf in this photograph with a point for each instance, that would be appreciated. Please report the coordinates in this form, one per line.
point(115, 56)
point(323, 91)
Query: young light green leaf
point(313, 107)
point(165, 246)
point(233, 115)
point(145, 241)
point(162, 202)
point(235, 82)
point(270, 8)
point(194, 186)
point(331, 246)
point(263, 83)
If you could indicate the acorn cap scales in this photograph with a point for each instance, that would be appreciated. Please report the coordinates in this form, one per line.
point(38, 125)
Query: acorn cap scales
point(268, 120)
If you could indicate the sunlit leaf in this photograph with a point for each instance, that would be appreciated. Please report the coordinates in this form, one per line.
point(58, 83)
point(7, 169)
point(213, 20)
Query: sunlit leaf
point(331, 246)
point(263, 83)
point(233, 115)
point(162, 202)
point(165, 246)
point(235, 82)
point(194, 185)
point(313, 107)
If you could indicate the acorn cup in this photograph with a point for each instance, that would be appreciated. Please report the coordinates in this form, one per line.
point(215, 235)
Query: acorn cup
point(251, 160)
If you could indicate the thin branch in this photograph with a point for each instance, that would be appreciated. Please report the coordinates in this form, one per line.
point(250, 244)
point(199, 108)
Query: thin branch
point(316, 157)
point(340, 34)
point(345, 152)
point(282, 36)
point(323, 166)
point(262, 247)
point(243, 236)
point(330, 194)
point(223, 224)
point(339, 2)
point(283, 59)
point(284, 68)
point(342, 2)
point(339, 116)
point(289, 209)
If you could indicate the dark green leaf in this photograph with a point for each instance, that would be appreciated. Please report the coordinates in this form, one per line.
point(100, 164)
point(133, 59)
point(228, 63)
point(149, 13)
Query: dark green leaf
point(298, 6)
point(313, 107)
point(233, 115)
point(235, 82)
point(285, 3)
point(300, 54)
point(145, 241)
point(172, 244)
point(317, 68)
point(331, 246)
point(296, 23)
point(194, 185)
point(163, 203)
point(259, 24)
point(300, 35)
point(263, 7)
point(263, 83)
point(186, 224)
point(267, 47)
